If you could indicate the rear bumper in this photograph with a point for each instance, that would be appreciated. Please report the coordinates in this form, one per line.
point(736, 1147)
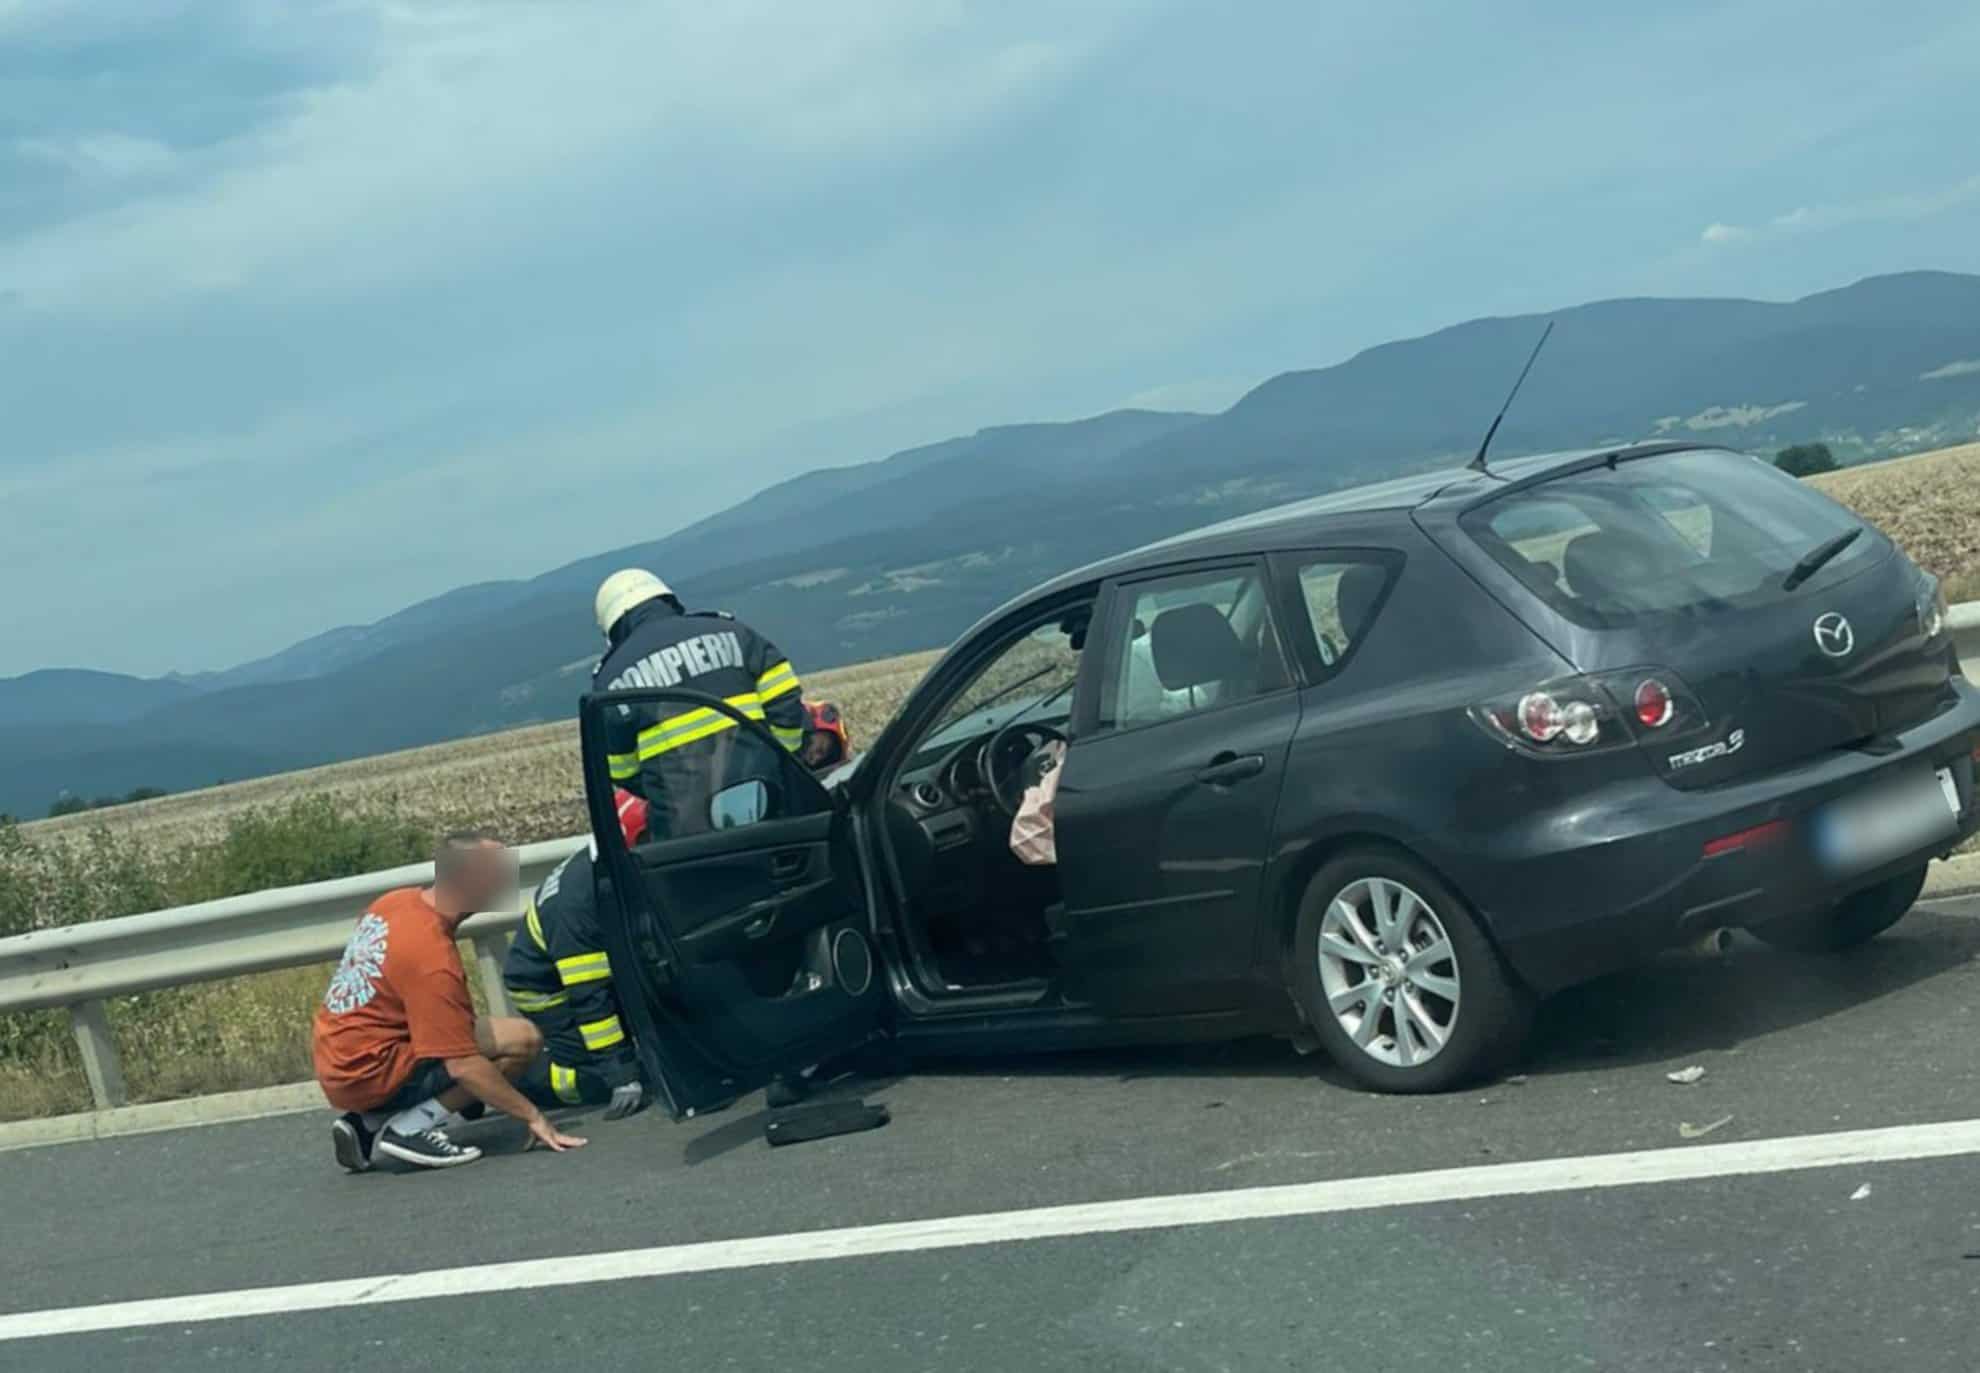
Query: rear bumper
point(1622, 874)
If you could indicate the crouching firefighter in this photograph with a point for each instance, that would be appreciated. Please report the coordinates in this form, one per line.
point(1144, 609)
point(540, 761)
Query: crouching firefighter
point(558, 975)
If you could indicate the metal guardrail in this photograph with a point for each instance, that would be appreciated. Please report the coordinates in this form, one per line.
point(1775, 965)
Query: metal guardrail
point(1964, 622)
point(81, 966)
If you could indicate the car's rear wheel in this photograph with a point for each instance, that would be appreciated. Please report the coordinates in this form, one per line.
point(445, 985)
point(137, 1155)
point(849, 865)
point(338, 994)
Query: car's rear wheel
point(1856, 919)
point(1398, 980)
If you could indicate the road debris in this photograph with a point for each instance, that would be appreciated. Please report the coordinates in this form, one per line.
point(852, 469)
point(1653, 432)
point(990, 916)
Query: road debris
point(1684, 1077)
point(1860, 1193)
point(1686, 1130)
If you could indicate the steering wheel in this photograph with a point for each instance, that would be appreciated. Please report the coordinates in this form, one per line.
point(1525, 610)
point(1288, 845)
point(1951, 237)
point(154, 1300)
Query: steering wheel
point(1004, 789)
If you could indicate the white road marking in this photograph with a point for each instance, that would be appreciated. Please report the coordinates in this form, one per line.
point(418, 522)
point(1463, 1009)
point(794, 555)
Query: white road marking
point(1894, 1144)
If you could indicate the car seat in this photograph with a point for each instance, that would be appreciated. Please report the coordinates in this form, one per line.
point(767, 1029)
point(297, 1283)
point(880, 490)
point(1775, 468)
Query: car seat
point(1195, 648)
point(1604, 569)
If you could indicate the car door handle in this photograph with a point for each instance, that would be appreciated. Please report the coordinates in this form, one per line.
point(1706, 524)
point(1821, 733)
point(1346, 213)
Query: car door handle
point(1227, 768)
point(788, 864)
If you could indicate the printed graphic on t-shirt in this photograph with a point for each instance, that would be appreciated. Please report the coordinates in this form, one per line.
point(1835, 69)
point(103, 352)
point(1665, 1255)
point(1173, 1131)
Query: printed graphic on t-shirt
point(356, 979)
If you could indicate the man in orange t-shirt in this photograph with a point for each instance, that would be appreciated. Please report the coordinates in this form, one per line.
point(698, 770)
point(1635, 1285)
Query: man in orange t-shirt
point(398, 1046)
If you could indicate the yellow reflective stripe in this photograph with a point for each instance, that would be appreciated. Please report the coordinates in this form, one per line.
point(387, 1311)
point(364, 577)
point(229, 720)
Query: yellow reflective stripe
point(536, 1001)
point(602, 1034)
point(535, 925)
point(584, 967)
point(792, 739)
point(691, 726)
point(623, 766)
point(563, 1081)
point(664, 738)
point(776, 682)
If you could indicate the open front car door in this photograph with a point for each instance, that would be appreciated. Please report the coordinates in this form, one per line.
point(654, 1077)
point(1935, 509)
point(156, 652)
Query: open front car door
point(737, 924)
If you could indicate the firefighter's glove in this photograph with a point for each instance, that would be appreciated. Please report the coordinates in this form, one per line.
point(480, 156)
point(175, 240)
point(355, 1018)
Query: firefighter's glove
point(627, 1098)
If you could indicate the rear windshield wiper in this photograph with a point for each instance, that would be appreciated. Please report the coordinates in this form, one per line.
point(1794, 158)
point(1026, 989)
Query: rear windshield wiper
point(1819, 557)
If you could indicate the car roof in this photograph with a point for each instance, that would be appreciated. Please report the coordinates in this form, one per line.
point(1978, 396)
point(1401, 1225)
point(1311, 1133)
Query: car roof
point(1314, 519)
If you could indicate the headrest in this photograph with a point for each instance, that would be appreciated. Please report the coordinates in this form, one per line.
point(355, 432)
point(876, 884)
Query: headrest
point(1601, 566)
point(1194, 645)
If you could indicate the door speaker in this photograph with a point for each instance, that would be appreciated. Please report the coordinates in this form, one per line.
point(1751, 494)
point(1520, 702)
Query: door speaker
point(852, 961)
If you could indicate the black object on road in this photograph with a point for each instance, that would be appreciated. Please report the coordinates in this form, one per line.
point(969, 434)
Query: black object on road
point(825, 1120)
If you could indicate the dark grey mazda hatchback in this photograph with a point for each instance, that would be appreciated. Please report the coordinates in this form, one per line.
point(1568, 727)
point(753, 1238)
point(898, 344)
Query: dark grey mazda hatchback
point(1374, 772)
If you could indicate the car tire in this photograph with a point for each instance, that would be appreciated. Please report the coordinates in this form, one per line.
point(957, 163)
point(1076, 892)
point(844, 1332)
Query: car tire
point(1453, 991)
point(1856, 919)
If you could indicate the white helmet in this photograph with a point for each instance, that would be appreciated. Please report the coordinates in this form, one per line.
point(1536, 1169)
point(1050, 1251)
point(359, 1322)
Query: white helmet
point(624, 590)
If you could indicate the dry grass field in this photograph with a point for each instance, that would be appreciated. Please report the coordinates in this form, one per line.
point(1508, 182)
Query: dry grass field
point(525, 783)
point(253, 1031)
point(1929, 503)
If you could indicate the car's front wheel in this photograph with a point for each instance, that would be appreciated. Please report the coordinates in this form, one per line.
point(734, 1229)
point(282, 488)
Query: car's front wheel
point(1856, 919)
point(1399, 981)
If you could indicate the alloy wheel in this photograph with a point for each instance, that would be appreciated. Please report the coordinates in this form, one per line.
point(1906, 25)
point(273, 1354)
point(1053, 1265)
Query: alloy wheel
point(1389, 972)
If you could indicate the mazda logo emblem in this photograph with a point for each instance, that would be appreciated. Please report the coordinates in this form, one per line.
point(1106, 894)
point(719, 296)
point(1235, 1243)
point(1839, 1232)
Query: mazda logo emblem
point(1834, 636)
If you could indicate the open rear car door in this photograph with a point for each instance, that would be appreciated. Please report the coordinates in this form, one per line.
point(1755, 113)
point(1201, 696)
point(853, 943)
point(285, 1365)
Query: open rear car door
point(737, 927)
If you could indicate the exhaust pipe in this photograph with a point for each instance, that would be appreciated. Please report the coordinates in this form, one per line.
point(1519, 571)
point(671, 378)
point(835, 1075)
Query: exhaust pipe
point(1713, 943)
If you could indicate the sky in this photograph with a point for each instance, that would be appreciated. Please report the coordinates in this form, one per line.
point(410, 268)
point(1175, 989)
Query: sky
point(309, 311)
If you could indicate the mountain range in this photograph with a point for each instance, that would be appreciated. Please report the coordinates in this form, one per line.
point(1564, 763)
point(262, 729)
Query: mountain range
point(857, 562)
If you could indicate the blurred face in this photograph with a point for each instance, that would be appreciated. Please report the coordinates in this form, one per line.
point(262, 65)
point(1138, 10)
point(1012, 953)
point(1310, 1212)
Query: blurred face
point(486, 876)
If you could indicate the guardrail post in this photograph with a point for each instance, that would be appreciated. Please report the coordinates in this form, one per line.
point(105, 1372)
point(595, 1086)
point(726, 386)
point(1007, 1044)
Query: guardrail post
point(99, 1054)
point(489, 951)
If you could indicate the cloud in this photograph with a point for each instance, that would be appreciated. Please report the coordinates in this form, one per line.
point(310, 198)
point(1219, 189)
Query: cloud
point(1902, 207)
point(1964, 368)
point(575, 273)
point(100, 155)
point(483, 115)
point(1898, 208)
point(1207, 395)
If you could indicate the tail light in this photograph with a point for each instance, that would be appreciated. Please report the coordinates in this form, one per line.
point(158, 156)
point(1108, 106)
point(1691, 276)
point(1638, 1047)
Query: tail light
point(1655, 706)
point(1571, 716)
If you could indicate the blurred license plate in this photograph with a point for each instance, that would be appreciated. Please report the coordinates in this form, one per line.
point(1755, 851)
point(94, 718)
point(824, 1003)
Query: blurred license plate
point(1887, 820)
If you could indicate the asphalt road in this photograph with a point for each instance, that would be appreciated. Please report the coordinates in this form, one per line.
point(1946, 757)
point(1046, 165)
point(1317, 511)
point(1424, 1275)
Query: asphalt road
point(1783, 1270)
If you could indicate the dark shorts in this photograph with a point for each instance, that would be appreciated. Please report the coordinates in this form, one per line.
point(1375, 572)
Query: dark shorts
point(429, 1079)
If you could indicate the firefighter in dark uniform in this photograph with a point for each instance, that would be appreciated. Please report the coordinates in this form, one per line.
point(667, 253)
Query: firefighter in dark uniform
point(677, 759)
point(558, 975)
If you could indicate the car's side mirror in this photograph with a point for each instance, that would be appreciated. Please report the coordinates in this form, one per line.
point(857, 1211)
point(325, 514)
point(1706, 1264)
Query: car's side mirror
point(745, 803)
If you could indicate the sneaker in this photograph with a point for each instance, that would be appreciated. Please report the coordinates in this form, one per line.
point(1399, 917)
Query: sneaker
point(351, 1142)
point(425, 1148)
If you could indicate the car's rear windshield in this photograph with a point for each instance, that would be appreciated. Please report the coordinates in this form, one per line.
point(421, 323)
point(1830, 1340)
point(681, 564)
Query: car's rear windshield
point(1669, 534)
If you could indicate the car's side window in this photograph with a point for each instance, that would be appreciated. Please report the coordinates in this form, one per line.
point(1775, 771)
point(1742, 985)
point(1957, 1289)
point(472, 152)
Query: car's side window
point(1190, 642)
point(1342, 593)
point(726, 774)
